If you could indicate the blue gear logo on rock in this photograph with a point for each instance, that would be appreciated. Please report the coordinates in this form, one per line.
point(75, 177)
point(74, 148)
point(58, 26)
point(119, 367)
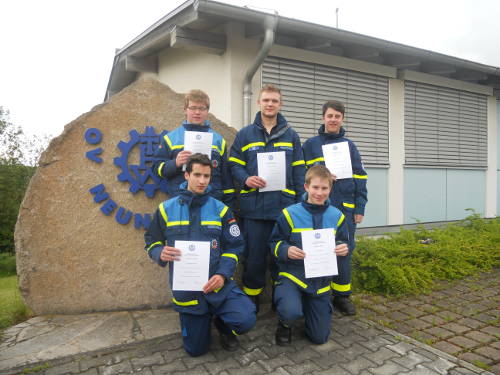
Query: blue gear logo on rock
point(139, 176)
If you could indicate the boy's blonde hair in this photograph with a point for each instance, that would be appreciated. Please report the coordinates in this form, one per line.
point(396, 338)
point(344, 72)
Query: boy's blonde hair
point(319, 171)
point(196, 96)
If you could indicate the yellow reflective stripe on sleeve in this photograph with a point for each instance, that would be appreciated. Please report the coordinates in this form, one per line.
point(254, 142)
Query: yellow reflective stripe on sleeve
point(228, 191)
point(160, 168)
point(217, 223)
point(168, 141)
point(294, 279)
point(350, 205)
point(340, 287)
point(252, 292)
point(223, 147)
point(229, 255)
point(234, 332)
point(153, 245)
point(246, 147)
point(187, 303)
point(309, 162)
point(360, 176)
point(170, 144)
point(163, 213)
point(283, 144)
point(341, 220)
point(323, 290)
point(217, 148)
point(246, 191)
point(298, 162)
point(289, 191)
point(233, 159)
point(288, 218)
point(218, 289)
point(174, 223)
point(297, 230)
point(276, 248)
point(224, 210)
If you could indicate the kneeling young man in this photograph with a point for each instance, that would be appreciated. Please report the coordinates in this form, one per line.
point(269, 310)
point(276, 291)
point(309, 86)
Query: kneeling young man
point(193, 215)
point(295, 295)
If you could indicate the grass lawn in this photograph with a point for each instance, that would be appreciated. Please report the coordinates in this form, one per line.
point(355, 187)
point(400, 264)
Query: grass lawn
point(12, 307)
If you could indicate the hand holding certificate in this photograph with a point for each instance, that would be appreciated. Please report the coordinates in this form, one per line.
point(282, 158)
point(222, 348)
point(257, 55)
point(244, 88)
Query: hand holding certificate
point(191, 271)
point(319, 246)
point(272, 168)
point(338, 159)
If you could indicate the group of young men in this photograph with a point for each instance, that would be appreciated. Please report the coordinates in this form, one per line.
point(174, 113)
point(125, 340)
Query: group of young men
point(200, 209)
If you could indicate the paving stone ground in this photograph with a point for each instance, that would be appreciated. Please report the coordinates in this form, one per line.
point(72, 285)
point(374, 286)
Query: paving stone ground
point(462, 318)
point(457, 328)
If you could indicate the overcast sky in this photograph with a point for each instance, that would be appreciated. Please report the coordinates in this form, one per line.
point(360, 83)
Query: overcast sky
point(56, 55)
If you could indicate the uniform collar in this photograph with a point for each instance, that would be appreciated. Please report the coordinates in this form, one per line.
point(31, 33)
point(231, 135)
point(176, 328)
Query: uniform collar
point(191, 199)
point(321, 132)
point(205, 127)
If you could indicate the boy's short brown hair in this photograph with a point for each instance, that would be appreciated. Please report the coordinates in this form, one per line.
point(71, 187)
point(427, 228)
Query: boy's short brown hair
point(198, 158)
point(320, 171)
point(196, 96)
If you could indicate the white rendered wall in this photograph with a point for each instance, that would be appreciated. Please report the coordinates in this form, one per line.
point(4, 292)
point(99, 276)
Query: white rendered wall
point(221, 77)
point(491, 172)
point(395, 175)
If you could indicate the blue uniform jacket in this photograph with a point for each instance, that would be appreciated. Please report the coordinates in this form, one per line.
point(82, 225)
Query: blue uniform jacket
point(191, 217)
point(173, 143)
point(252, 140)
point(348, 194)
point(287, 232)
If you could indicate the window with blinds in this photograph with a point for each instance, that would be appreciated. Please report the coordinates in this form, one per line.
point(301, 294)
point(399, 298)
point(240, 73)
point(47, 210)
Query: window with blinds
point(444, 127)
point(307, 86)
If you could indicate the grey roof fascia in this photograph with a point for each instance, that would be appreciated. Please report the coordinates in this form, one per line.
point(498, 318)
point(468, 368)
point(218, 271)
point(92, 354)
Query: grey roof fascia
point(285, 25)
point(296, 26)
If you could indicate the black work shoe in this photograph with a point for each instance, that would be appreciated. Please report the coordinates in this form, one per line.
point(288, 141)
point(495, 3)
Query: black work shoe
point(283, 335)
point(229, 342)
point(256, 301)
point(344, 305)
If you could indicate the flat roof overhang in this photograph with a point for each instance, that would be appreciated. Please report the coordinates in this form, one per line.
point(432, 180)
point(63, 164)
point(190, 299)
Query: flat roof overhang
point(198, 24)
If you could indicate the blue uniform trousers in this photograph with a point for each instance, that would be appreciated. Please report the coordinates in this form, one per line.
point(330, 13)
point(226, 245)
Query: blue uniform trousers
point(256, 233)
point(236, 314)
point(292, 304)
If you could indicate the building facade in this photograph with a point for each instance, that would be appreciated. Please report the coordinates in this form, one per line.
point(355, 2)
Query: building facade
point(426, 124)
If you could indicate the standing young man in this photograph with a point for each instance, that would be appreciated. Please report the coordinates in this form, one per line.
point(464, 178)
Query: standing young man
point(193, 215)
point(297, 296)
point(171, 156)
point(269, 132)
point(349, 195)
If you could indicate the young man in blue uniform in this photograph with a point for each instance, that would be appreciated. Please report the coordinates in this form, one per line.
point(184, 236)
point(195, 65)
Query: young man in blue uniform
point(193, 215)
point(349, 195)
point(269, 132)
point(295, 295)
point(171, 157)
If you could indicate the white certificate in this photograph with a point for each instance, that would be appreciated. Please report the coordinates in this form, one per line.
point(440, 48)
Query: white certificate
point(198, 142)
point(319, 246)
point(338, 159)
point(272, 168)
point(191, 271)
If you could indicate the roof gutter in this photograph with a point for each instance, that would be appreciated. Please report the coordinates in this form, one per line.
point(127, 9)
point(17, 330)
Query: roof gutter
point(270, 24)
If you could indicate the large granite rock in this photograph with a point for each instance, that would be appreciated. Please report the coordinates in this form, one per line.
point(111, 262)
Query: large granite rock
point(71, 256)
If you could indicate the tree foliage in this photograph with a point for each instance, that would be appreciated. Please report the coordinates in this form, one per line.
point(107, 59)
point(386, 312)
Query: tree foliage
point(18, 159)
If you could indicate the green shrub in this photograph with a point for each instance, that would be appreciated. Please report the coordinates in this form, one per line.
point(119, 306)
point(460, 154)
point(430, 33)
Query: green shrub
point(401, 264)
point(7, 264)
point(12, 307)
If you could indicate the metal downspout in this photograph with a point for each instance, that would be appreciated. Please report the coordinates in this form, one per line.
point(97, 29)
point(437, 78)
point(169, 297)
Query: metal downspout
point(270, 23)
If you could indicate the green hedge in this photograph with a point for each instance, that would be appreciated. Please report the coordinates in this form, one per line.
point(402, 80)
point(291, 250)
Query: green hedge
point(410, 262)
